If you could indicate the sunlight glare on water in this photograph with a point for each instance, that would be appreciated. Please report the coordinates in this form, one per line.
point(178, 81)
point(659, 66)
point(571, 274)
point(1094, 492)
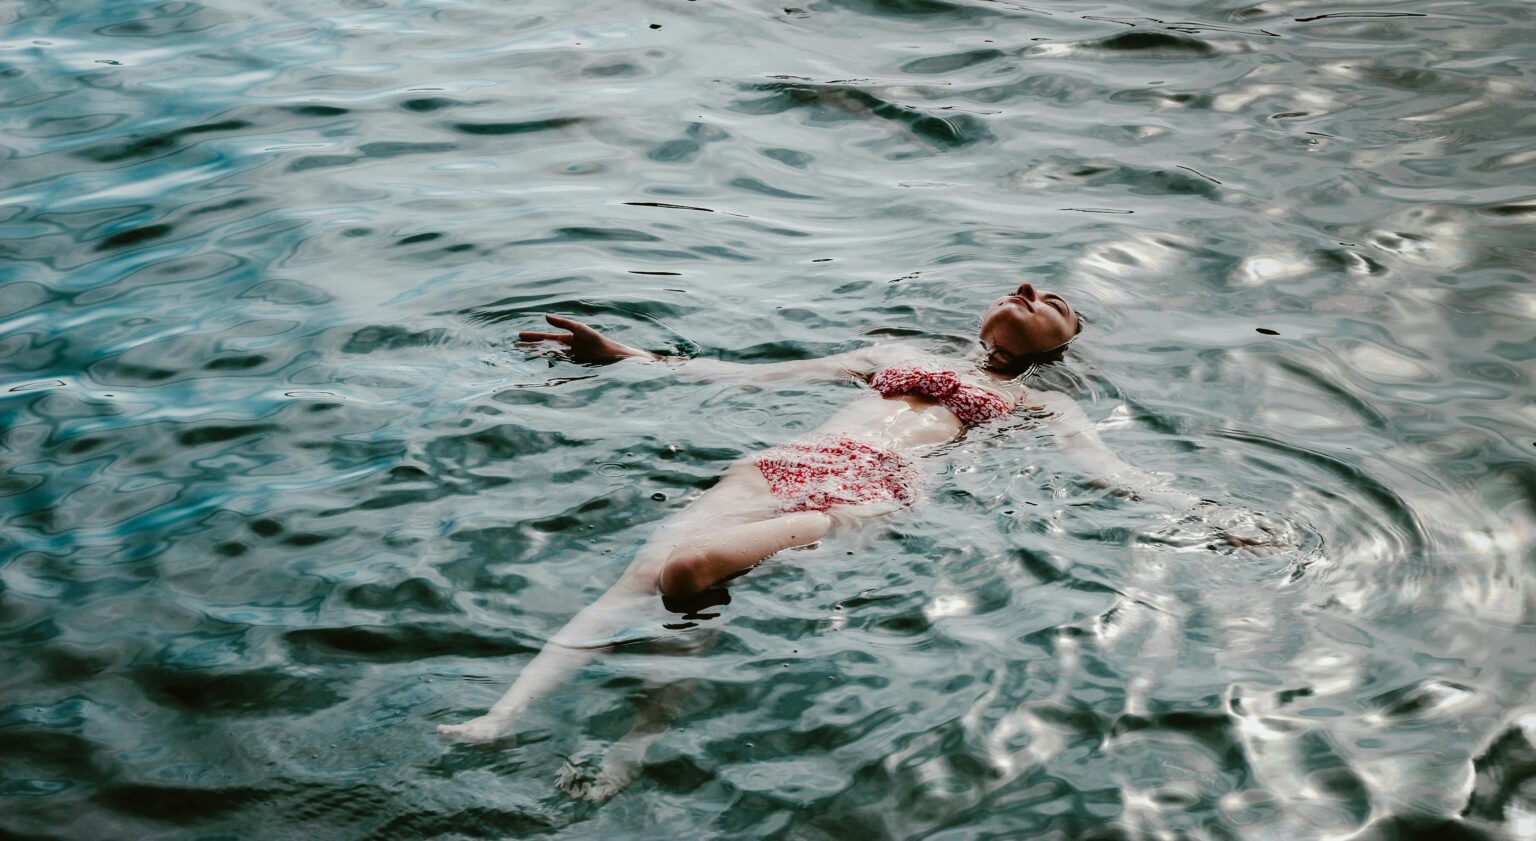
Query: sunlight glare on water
point(280, 494)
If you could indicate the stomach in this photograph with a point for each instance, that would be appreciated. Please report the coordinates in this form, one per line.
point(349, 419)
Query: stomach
point(898, 423)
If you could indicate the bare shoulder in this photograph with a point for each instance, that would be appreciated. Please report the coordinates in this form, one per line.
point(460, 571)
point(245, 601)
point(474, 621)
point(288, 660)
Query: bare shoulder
point(1043, 399)
point(886, 354)
point(1053, 406)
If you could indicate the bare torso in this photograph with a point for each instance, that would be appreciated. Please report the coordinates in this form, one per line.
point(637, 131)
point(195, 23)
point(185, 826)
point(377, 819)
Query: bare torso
point(903, 422)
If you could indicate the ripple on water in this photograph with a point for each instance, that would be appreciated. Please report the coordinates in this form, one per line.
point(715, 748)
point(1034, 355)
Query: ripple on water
point(1135, 44)
point(281, 494)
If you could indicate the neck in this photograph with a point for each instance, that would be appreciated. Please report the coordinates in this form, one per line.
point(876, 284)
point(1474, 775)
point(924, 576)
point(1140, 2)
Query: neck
point(988, 365)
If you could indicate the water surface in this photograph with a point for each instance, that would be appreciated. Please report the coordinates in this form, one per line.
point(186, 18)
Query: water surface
point(280, 495)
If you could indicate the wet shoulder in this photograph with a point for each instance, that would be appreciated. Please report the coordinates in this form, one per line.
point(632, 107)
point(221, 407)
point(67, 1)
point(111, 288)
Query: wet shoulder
point(1050, 405)
point(898, 354)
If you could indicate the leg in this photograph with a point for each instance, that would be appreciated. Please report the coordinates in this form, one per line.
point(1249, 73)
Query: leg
point(704, 560)
point(623, 759)
point(566, 652)
point(741, 496)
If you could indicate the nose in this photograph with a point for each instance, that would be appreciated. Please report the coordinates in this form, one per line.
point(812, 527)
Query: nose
point(1026, 291)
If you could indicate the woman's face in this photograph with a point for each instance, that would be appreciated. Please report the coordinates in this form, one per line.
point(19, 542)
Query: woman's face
point(1027, 322)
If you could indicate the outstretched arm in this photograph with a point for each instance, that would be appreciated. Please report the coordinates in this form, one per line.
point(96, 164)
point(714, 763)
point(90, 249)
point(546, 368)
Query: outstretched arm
point(1074, 433)
point(583, 343)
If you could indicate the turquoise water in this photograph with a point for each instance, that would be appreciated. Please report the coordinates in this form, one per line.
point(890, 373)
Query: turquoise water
point(280, 495)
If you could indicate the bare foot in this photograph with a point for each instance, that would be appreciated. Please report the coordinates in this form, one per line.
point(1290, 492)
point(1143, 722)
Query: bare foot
point(612, 777)
point(480, 730)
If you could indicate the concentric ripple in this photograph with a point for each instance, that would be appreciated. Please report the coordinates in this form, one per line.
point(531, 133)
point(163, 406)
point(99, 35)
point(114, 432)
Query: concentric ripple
point(281, 493)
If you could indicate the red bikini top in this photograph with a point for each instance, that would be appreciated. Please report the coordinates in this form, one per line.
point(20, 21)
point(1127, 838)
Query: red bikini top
point(972, 404)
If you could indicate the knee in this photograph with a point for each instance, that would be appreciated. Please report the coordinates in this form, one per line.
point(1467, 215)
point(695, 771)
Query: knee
point(683, 574)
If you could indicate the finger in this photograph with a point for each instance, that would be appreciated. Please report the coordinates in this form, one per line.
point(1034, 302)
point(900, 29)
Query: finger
point(569, 323)
point(540, 336)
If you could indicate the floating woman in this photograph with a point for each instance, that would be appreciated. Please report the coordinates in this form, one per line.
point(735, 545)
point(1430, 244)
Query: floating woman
point(862, 462)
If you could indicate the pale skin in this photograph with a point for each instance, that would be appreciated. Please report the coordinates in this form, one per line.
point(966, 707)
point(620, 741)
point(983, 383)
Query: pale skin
point(737, 523)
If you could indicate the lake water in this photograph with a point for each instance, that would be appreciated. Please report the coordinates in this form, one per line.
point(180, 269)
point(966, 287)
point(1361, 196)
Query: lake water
point(280, 495)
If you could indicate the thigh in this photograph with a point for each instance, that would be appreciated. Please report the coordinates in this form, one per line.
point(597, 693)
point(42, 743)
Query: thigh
point(715, 556)
point(741, 496)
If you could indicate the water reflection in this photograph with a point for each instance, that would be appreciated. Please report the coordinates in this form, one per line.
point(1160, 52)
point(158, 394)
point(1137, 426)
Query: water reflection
point(280, 495)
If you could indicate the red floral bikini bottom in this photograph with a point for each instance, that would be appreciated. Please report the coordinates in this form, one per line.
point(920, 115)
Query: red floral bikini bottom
point(818, 472)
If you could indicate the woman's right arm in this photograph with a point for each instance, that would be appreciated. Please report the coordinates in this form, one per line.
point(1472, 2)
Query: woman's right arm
point(583, 343)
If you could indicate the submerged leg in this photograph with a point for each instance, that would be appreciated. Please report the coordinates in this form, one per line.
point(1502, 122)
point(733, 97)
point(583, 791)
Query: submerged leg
point(710, 557)
point(741, 496)
point(622, 761)
point(573, 647)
